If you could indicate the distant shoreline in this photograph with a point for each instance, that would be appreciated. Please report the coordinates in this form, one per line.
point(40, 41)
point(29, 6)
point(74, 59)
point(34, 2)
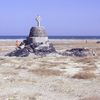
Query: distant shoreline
point(53, 37)
point(52, 40)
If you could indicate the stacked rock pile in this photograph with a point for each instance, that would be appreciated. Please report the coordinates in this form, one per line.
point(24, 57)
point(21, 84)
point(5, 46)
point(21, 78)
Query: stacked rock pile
point(79, 52)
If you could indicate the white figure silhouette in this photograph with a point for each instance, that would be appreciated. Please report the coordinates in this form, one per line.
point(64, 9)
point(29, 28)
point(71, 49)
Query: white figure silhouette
point(38, 19)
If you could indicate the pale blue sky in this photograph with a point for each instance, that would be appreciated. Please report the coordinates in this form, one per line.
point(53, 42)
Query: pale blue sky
point(59, 17)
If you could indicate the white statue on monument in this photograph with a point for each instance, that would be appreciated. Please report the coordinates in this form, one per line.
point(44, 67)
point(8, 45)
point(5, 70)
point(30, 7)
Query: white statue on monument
point(38, 19)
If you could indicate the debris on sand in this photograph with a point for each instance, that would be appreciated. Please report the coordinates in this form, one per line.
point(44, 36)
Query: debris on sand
point(79, 52)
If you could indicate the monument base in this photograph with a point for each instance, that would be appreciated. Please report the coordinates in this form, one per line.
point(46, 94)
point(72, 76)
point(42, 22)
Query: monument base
point(39, 39)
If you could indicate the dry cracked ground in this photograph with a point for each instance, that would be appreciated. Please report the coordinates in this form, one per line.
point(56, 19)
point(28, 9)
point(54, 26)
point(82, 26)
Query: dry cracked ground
point(54, 77)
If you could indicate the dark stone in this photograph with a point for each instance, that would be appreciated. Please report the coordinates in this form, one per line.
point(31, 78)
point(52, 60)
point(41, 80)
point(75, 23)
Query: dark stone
point(98, 42)
point(35, 48)
point(19, 53)
point(45, 50)
point(29, 40)
point(37, 32)
point(79, 52)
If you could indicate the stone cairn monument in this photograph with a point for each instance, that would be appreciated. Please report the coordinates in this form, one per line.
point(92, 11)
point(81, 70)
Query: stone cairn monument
point(38, 33)
point(37, 43)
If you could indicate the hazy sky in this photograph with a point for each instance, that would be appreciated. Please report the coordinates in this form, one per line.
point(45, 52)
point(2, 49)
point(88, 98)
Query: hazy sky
point(59, 17)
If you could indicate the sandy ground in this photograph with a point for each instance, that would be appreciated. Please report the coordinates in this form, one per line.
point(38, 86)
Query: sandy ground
point(54, 77)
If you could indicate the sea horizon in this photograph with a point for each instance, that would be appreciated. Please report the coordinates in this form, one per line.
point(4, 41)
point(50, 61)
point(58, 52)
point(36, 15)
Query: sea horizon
point(51, 37)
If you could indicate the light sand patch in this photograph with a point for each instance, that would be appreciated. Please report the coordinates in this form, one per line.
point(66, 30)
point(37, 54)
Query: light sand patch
point(84, 75)
point(46, 72)
point(92, 98)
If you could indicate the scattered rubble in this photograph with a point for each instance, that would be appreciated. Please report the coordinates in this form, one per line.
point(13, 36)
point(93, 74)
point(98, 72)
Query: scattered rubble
point(36, 49)
point(79, 52)
point(98, 42)
point(19, 53)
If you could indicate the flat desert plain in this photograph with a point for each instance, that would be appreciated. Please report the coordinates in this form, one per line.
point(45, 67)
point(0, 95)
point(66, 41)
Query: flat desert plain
point(54, 77)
